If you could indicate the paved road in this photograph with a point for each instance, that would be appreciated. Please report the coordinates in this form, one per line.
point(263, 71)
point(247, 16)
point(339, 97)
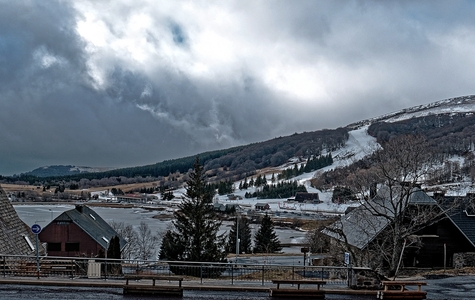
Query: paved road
point(450, 288)
point(459, 287)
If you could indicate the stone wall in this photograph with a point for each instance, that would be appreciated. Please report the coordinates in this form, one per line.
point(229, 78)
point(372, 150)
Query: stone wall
point(462, 260)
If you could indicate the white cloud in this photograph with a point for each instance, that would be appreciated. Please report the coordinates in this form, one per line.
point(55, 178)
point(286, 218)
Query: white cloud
point(186, 76)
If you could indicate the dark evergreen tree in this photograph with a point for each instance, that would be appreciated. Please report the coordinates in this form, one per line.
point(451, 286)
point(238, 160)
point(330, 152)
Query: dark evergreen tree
point(170, 247)
point(167, 195)
point(244, 235)
point(113, 251)
point(224, 187)
point(245, 185)
point(258, 181)
point(195, 233)
point(114, 248)
point(342, 194)
point(266, 240)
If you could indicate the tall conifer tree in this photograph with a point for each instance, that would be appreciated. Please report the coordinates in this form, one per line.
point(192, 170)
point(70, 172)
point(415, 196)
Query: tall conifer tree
point(266, 240)
point(244, 235)
point(195, 233)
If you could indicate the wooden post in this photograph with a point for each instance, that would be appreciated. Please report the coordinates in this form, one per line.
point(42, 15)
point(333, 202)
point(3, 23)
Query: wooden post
point(445, 256)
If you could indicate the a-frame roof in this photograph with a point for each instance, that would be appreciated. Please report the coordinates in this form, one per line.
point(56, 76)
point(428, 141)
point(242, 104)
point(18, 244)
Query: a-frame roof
point(463, 216)
point(92, 224)
point(363, 224)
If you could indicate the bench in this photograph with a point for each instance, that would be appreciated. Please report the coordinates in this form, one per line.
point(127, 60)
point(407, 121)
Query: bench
point(314, 293)
point(162, 290)
point(397, 290)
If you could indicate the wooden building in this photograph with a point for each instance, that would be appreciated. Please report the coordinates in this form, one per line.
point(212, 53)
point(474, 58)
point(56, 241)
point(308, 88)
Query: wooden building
point(454, 234)
point(78, 232)
point(262, 206)
point(307, 197)
point(437, 244)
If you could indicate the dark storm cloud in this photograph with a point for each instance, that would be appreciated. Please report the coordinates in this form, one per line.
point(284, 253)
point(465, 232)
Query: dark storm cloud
point(123, 83)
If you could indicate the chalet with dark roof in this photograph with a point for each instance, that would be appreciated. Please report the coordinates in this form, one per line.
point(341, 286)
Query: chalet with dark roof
point(78, 232)
point(439, 242)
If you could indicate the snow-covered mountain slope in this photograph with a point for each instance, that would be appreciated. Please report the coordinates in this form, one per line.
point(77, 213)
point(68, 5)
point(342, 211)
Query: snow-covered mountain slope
point(465, 104)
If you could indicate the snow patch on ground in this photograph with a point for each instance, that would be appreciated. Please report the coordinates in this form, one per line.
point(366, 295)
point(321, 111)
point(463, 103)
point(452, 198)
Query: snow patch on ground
point(359, 145)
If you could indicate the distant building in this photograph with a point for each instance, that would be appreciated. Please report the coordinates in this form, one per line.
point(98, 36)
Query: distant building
point(78, 232)
point(233, 197)
point(16, 237)
point(131, 198)
point(307, 197)
point(262, 206)
point(227, 208)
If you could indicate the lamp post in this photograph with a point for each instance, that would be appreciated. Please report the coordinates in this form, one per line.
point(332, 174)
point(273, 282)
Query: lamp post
point(237, 236)
point(105, 264)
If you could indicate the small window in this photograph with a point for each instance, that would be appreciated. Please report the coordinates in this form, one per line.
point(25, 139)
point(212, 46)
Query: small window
point(72, 247)
point(54, 246)
point(27, 239)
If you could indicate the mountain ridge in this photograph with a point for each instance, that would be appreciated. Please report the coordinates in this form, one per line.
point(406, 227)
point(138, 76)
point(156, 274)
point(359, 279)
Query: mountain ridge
point(467, 102)
point(245, 160)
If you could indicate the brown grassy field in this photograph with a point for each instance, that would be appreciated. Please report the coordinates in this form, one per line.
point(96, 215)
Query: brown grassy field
point(124, 187)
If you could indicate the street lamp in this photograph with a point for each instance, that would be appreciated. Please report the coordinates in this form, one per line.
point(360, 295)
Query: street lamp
point(237, 236)
point(107, 248)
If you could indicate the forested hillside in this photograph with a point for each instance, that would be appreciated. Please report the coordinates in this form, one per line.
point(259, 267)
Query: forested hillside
point(448, 127)
point(448, 135)
point(228, 164)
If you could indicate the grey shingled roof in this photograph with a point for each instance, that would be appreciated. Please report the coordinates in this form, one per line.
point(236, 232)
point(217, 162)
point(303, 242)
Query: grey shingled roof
point(463, 217)
point(92, 224)
point(13, 231)
point(363, 224)
point(359, 227)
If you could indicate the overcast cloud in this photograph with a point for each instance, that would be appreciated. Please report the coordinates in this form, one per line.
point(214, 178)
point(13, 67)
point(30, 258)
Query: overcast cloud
point(126, 82)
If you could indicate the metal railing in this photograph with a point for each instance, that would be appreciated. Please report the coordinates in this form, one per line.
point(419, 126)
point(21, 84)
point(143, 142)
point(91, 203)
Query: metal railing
point(203, 272)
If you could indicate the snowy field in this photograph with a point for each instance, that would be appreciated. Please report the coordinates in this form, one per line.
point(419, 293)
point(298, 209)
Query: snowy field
point(359, 145)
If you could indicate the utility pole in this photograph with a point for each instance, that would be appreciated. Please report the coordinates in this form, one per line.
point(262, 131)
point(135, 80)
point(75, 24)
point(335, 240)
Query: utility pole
point(237, 237)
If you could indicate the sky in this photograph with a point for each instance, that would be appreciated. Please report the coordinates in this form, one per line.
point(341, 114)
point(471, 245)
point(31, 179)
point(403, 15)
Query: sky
point(133, 82)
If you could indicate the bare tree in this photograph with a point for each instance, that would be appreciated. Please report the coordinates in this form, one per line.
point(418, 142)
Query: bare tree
point(147, 242)
point(388, 221)
point(130, 235)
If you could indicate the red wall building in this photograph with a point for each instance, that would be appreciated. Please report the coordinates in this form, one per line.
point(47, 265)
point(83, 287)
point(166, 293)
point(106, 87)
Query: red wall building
point(78, 232)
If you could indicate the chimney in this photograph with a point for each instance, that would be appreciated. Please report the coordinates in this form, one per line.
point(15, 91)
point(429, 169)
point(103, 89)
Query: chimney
point(79, 208)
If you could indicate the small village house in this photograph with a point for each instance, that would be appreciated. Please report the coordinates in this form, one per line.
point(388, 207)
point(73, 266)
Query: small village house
point(262, 206)
point(78, 232)
point(439, 243)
